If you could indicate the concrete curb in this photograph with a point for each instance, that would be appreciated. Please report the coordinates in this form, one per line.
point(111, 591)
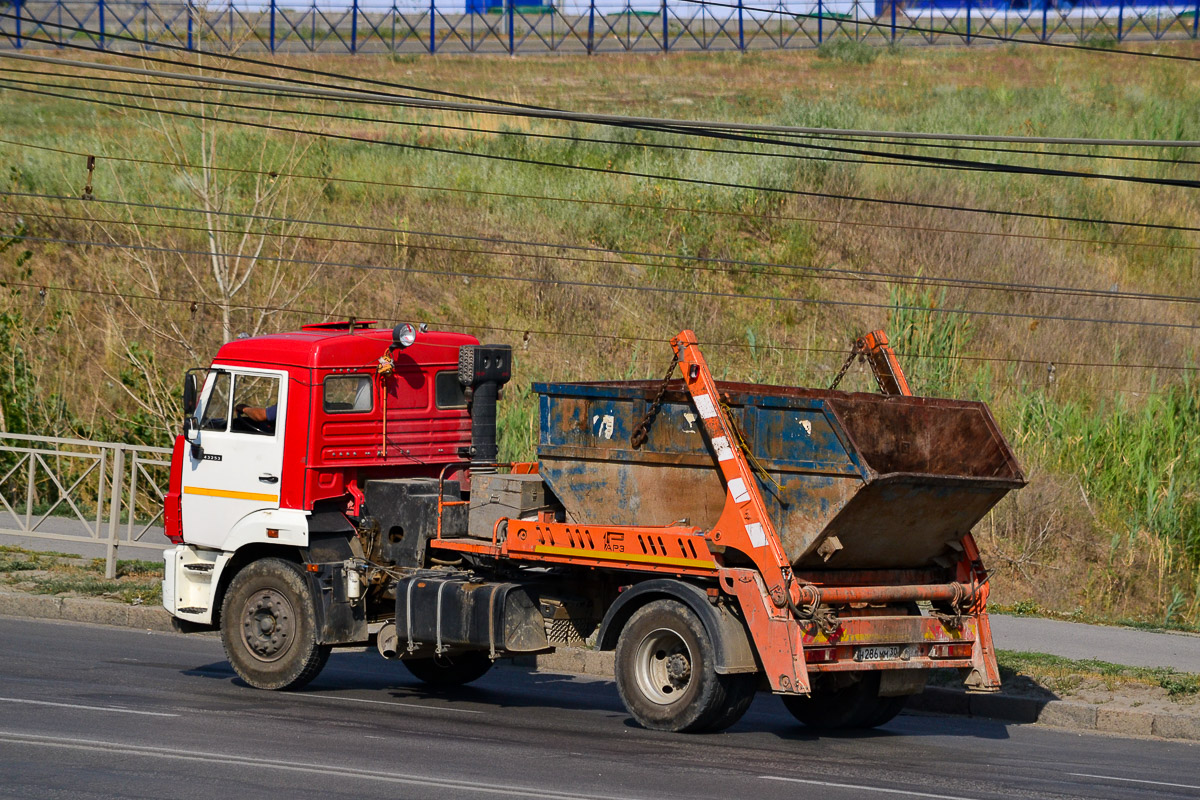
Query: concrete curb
point(82, 609)
point(935, 700)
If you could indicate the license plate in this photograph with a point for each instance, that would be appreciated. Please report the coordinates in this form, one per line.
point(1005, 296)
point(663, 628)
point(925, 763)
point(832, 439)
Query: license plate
point(877, 653)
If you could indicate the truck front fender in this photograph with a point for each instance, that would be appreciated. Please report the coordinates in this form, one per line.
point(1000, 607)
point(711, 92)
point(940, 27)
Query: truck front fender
point(731, 642)
point(273, 526)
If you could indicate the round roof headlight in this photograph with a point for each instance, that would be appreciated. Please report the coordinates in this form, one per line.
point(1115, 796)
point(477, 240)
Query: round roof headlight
point(404, 335)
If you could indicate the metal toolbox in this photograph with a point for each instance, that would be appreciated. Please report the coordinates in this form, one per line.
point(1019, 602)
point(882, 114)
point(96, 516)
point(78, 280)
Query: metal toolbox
point(495, 496)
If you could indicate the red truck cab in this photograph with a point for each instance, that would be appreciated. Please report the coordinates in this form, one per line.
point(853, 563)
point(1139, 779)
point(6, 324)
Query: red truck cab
point(343, 403)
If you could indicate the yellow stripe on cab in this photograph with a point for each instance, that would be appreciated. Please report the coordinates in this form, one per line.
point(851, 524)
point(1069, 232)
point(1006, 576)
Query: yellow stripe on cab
point(266, 498)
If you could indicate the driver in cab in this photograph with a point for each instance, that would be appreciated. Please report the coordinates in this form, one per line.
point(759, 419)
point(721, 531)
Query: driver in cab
point(264, 416)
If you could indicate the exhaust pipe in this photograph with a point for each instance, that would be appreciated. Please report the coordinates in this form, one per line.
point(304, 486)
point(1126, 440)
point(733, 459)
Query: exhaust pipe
point(386, 640)
point(482, 370)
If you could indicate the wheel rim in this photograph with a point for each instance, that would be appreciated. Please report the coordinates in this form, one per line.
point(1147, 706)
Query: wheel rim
point(663, 667)
point(268, 625)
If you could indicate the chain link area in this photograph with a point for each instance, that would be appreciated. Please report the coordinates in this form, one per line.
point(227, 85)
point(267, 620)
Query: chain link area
point(855, 352)
point(642, 431)
point(859, 351)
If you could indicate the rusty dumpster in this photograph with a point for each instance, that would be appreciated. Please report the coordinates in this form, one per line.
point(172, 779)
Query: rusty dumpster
point(852, 480)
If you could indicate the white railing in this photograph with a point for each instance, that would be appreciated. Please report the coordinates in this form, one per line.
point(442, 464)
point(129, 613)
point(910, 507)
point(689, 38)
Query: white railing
point(76, 490)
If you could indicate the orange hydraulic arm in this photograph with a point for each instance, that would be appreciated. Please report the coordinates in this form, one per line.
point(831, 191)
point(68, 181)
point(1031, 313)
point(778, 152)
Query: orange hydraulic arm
point(768, 593)
point(875, 350)
point(884, 363)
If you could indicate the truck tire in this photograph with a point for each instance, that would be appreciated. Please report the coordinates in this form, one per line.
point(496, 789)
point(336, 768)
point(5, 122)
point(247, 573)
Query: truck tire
point(665, 675)
point(857, 705)
point(446, 672)
point(268, 626)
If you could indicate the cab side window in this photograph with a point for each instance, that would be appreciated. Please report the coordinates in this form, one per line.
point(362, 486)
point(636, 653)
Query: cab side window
point(216, 410)
point(447, 391)
point(255, 401)
point(347, 394)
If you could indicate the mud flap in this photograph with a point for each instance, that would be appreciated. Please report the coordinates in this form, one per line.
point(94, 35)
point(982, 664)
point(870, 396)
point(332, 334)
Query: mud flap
point(340, 620)
point(902, 682)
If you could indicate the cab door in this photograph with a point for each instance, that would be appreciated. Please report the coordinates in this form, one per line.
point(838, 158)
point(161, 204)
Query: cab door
point(235, 464)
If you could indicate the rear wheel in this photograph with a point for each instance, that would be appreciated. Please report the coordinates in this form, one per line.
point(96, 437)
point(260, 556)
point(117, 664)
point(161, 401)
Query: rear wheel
point(854, 705)
point(445, 672)
point(268, 626)
point(665, 674)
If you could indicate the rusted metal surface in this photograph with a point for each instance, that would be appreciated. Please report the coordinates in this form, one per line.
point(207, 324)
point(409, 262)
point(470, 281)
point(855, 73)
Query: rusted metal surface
point(891, 630)
point(956, 593)
point(865, 481)
point(874, 577)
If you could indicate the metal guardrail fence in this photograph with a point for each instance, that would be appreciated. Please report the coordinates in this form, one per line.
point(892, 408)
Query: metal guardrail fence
point(76, 490)
point(583, 26)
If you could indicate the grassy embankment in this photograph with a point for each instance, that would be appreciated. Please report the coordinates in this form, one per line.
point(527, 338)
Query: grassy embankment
point(48, 572)
point(1110, 525)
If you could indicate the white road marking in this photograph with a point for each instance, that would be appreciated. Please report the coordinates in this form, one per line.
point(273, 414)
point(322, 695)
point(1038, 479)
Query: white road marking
point(1134, 780)
point(861, 788)
point(79, 707)
point(326, 770)
point(389, 703)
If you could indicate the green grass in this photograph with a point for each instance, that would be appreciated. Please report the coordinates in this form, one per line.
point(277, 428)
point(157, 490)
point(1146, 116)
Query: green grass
point(1118, 465)
point(39, 572)
point(1066, 675)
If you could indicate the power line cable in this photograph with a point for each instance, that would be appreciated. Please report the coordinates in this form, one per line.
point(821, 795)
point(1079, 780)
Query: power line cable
point(613, 171)
point(436, 125)
point(821, 137)
point(619, 204)
point(880, 158)
point(622, 287)
point(724, 265)
point(507, 107)
point(44, 289)
point(668, 126)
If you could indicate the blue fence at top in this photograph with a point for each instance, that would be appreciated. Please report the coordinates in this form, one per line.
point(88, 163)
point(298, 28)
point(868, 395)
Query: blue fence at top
point(583, 26)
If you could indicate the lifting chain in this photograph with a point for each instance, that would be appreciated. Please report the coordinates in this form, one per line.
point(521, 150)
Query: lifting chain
point(91, 171)
point(642, 431)
point(855, 352)
point(859, 351)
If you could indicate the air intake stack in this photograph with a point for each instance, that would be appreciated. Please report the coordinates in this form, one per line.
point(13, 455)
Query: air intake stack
point(482, 370)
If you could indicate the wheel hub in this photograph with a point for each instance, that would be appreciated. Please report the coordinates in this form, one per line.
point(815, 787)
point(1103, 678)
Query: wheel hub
point(268, 625)
point(663, 667)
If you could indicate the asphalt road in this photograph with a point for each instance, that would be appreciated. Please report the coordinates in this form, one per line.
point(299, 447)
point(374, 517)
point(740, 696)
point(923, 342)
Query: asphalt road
point(1180, 651)
point(1136, 648)
point(96, 712)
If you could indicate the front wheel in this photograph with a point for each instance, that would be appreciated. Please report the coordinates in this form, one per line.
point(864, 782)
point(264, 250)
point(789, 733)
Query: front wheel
point(268, 626)
point(665, 673)
point(446, 672)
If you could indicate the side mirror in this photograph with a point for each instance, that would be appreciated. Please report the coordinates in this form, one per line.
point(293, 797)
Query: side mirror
point(190, 394)
point(190, 431)
point(192, 434)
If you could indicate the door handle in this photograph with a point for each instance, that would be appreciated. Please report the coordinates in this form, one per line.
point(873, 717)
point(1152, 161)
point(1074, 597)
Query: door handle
point(268, 478)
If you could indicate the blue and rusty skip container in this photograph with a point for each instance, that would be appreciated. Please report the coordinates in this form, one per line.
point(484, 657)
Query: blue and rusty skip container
point(897, 480)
